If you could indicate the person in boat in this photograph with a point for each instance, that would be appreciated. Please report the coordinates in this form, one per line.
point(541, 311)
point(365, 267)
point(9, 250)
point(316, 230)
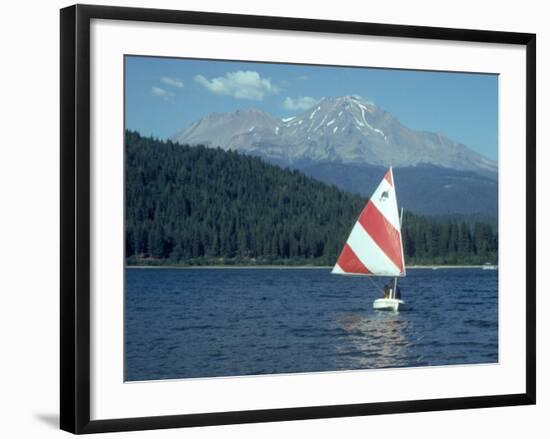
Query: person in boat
point(387, 291)
point(397, 293)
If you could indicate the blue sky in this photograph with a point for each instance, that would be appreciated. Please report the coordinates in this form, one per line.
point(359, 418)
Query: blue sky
point(164, 95)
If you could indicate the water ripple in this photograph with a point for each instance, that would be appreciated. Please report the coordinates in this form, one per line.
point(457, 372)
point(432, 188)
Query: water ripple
point(204, 323)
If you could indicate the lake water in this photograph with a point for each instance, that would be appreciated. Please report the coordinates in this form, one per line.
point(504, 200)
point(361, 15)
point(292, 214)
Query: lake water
point(184, 323)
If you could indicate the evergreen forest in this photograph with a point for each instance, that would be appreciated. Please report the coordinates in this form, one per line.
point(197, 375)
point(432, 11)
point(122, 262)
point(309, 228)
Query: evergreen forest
point(193, 205)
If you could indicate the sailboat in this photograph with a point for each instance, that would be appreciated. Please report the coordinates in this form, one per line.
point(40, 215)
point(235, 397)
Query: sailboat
point(375, 245)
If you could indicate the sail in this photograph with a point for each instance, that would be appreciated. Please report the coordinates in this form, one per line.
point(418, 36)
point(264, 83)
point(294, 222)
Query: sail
point(374, 247)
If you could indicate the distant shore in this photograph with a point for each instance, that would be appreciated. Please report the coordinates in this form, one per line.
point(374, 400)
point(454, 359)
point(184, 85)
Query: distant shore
point(436, 267)
point(235, 267)
point(287, 267)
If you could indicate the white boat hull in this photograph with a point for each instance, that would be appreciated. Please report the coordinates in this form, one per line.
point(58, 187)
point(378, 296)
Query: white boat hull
point(389, 304)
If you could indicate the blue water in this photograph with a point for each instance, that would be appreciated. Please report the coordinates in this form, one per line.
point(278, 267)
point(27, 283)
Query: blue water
point(223, 322)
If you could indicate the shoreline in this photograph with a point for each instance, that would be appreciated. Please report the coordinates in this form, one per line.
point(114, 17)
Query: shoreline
point(289, 267)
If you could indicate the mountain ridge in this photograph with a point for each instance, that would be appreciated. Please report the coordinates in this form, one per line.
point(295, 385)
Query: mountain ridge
point(345, 130)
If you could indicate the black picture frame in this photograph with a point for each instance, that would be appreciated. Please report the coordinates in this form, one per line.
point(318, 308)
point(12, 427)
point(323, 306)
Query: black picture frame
point(75, 217)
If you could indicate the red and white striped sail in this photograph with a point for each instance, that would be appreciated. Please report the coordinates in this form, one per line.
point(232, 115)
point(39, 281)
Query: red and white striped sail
point(375, 247)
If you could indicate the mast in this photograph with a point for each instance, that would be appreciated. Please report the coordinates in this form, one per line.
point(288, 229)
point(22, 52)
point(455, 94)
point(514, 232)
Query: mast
point(394, 289)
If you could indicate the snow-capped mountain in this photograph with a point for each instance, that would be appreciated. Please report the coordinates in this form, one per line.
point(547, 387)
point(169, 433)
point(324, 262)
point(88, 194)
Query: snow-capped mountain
point(345, 130)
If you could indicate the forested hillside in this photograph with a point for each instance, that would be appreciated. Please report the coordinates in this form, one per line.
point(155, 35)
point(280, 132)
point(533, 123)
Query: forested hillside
point(196, 205)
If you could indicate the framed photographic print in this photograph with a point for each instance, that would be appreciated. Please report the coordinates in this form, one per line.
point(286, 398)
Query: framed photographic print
point(272, 218)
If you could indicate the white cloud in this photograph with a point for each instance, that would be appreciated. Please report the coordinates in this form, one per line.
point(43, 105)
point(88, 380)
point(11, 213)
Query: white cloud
point(174, 82)
point(240, 84)
point(299, 103)
point(161, 93)
point(303, 78)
